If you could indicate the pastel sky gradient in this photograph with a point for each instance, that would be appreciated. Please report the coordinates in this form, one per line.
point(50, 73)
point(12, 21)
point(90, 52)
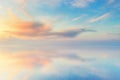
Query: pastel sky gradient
point(59, 39)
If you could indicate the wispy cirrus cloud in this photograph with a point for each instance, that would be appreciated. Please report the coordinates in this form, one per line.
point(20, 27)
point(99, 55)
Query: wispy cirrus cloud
point(50, 2)
point(99, 18)
point(78, 18)
point(30, 29)
point(73, 3)
point(40, 2)
point(110, 1)
point(81, 3)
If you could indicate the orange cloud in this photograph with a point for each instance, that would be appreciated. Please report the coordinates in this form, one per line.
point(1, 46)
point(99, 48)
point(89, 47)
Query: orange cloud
point(30, 29)
point(17, 27)
point(27, 29)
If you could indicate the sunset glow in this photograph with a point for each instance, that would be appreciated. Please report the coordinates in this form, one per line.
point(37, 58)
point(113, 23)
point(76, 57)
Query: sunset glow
point(59, 39)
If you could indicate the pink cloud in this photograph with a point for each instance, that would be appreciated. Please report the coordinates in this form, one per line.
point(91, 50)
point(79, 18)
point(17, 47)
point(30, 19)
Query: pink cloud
point(30, 29)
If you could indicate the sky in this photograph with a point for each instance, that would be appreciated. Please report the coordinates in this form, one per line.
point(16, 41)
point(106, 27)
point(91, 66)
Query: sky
point(59, 39)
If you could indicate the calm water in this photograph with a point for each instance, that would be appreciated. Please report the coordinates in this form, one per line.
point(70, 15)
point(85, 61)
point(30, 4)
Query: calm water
point(60, 63)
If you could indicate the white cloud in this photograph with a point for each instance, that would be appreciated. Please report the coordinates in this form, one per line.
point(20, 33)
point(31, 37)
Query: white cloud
point(40, 2)
point(110, 1)
point(53, 3)
point(98, 36)
point(78, 18)
point(102, 17)
point(81, 3)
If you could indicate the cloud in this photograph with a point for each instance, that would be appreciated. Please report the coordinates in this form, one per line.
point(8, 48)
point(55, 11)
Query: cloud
point(40, 2)
point(16, 27)
point(115, 35)
point(30, 29)
point(71, 33)
point(98, 36)
point(27, 29)
point(99, 18)
point(110, 1)
point(50, 2)
point(21, 2)
point(81, 3)
point(74, 3)
point(78, 18)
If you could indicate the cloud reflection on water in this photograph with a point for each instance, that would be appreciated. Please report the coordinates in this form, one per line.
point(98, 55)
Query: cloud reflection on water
point(66, 64)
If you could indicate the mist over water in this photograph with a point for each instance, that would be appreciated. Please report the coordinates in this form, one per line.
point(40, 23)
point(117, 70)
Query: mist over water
point(61, 63)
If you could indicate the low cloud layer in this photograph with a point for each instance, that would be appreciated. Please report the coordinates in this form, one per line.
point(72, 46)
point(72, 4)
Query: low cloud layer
point(40, 30)
point(30, 29)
